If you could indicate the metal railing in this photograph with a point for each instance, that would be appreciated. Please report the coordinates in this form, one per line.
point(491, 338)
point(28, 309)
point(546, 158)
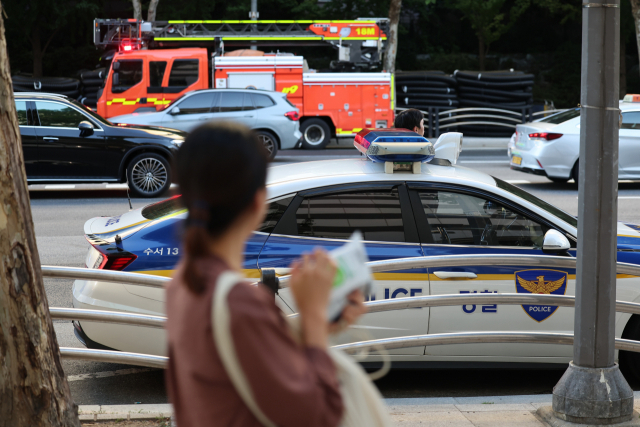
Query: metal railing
point(105, 275)
point(135, 319)
point(444, 118)
point(351, 348)
point(480, 260)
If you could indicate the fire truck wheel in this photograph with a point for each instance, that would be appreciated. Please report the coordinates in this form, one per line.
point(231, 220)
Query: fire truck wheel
point(269, 141)
point(315, 134)
point(149, 175)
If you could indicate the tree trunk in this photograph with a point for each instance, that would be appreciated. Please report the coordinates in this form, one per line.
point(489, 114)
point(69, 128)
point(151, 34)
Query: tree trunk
point(33, 389)
point(37, 54)
point(392, 37)
point(635, 10)
point(137, 9)
point(623, 68)
point(481, 52)
point(153, 6)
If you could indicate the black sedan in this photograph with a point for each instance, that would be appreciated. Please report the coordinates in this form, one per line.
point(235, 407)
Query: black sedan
point(63, 141)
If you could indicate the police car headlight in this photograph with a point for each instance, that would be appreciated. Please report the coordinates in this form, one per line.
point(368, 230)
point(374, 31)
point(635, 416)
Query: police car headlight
point(177, 142)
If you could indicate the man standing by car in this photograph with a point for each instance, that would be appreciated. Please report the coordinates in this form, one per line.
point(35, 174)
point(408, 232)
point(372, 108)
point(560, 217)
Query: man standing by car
point(411, 119)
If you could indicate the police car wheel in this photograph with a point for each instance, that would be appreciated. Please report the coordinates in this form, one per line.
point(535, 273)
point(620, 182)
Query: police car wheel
point(269, 142)
point(149, 175)
point(315, 134)
point(630, 361)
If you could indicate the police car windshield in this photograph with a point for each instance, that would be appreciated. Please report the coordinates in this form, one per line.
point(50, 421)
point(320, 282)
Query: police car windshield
point(556, 119)
point(569, 219)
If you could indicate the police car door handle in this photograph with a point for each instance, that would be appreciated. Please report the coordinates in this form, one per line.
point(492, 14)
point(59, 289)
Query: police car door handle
point(455, 275)
point(50, 138)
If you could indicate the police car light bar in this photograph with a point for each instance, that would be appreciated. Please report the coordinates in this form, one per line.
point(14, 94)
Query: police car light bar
point(402, 149)
point(398, 149)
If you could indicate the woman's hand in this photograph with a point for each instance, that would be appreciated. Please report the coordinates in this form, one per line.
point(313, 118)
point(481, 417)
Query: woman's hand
point(351, 313)
point(311, 281)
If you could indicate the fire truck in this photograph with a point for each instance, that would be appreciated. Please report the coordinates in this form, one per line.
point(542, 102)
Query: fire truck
point(157, 62)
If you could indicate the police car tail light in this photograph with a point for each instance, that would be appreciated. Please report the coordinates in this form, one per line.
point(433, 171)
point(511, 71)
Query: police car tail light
point(292, 115)
point(548, 136)
point(117, 261)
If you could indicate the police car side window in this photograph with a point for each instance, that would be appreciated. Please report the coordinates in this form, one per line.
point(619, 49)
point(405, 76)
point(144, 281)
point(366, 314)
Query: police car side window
point(463, 219)
point(631, 120)
point(377, 214)
point(275, 210)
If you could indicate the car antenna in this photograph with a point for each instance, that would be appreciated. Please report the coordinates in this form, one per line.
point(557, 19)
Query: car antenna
point(126, 175)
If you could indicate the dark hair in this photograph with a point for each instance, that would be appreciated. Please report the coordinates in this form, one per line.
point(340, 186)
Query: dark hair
point(219, 168)
point(408, 119)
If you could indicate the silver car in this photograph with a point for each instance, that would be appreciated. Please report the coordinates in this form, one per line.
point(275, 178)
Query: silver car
point(270, 114)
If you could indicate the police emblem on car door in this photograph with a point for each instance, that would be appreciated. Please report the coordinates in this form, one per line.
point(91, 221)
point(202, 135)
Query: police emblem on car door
point(543, 282)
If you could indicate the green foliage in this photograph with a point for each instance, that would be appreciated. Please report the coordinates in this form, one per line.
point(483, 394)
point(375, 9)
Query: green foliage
point(488, 17)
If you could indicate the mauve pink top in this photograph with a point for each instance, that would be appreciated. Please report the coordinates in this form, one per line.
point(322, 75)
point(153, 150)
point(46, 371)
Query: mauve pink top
point(293, 385)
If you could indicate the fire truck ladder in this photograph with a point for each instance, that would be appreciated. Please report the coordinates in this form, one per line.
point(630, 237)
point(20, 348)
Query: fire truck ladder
point(358, 46)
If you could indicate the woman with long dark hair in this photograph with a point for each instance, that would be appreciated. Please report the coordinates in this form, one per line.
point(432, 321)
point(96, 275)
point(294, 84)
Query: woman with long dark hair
point(221, 170)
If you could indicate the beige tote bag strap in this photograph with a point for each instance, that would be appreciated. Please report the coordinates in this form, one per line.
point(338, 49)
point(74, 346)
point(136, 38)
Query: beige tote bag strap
point(221, 326)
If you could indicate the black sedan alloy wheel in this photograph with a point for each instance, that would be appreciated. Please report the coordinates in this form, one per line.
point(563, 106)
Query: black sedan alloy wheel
point(149, 175)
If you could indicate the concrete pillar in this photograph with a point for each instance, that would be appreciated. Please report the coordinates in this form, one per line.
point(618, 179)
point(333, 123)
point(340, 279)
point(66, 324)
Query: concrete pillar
point(592, 390)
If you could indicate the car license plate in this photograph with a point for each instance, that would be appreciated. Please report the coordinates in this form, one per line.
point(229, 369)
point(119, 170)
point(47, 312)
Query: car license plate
point(516, 160)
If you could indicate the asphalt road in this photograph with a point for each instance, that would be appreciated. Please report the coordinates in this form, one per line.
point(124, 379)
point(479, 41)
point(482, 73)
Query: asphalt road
point(59, 217)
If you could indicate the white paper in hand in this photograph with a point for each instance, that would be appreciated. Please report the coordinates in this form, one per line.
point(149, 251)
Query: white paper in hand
point(352, 273)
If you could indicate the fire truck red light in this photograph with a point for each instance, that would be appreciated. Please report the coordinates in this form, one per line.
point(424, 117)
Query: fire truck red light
point(127, 48)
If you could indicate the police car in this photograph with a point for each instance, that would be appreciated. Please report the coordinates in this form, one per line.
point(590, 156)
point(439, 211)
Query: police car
point(403, 208)
point(551, 146)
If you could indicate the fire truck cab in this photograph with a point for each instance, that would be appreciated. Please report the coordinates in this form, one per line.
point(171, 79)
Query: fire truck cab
point(148, 80)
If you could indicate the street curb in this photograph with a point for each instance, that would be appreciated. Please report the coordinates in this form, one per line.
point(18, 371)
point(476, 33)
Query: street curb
point(407, 406)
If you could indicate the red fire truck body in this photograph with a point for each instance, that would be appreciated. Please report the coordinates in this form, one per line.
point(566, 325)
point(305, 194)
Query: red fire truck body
point(330, 104)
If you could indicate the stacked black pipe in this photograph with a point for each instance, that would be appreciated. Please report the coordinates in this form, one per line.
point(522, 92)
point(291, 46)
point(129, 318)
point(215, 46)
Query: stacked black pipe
point(505, 90)
point(59, 85)
point(92, 81)
point(425, 89)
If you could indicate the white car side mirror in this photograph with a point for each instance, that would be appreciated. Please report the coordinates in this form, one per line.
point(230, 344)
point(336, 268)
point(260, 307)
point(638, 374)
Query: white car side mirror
point(555, 241)
point(174, 111)
point(449, 146)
